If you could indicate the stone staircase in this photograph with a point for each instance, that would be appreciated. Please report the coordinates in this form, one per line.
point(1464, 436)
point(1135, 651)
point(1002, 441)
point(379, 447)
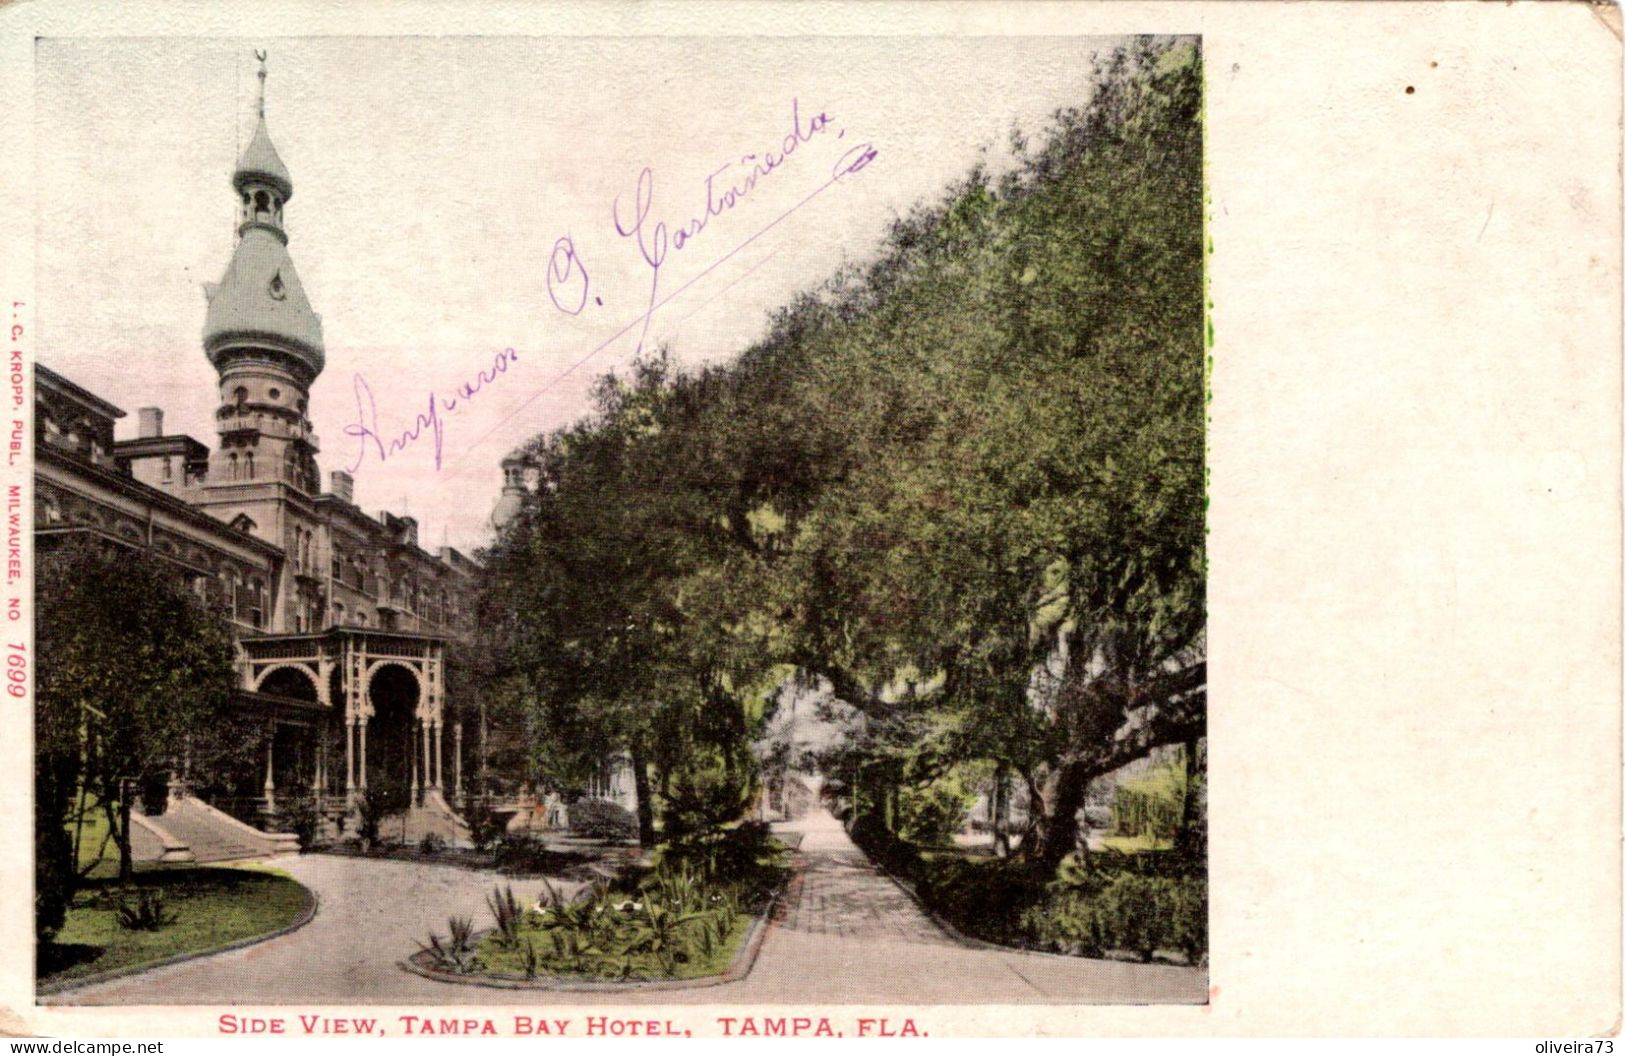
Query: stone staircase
point(213, 836)
point(434, 815)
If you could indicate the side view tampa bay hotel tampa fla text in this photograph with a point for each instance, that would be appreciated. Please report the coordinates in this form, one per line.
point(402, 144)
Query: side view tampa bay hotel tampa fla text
point(341, 619)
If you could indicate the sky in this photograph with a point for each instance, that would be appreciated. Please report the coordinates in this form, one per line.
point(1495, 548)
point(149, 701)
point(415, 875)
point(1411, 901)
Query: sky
point(433, 181)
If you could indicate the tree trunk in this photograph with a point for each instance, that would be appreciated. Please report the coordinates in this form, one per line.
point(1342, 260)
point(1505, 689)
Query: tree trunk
point(1187, 818)
point(1058, 836)
point(1001, 811)
point(126, 857)
point(646, 807)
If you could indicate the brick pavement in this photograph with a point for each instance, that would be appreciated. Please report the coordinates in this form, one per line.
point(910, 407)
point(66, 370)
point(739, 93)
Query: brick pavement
point(841, 893)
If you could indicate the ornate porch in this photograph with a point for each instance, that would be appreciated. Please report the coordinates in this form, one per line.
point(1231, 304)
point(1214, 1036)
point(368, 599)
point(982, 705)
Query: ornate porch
point(348, 710)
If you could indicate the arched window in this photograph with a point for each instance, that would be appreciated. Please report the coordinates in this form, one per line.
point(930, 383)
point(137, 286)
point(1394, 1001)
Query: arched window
point(248, 465)
point(231, 471)
point(240, 395)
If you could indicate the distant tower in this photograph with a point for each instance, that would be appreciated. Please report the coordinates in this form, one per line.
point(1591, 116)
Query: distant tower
point(261, 334)
point(513, 491)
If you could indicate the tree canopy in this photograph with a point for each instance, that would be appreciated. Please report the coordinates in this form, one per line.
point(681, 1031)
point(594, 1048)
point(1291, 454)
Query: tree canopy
point(963, 483)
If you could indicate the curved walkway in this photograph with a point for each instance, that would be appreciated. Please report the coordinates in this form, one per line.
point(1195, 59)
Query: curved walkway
point(846, 934)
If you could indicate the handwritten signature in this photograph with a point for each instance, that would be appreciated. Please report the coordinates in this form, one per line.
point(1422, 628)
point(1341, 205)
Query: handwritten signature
point(653, 241)
point(365, 427)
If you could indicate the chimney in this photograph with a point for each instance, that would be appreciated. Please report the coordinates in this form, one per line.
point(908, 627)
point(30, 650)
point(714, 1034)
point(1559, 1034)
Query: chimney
point(343, 485)
point(152, 422)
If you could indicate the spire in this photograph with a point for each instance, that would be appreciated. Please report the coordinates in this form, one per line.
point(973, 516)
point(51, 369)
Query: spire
point(260, 55)
point(260, 163)
point(259, 302)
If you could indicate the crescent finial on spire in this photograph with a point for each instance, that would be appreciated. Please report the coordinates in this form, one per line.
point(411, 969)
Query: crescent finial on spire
point(260, 55)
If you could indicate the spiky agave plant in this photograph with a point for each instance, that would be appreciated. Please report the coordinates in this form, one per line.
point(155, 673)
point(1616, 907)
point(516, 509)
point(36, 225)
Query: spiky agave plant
point(505, 910)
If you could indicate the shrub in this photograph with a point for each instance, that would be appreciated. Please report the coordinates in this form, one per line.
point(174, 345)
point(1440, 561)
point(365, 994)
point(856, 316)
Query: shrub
point(505, 910)
point(432, 843)
point(146, 913)
point(1067, 923)
point(898, 856)
point(1134, 913)
point(522, 855)
point(599, 819)
point(678, 913)
point(1188, 922)
point(985, 898)
point(55, 878)
point(456, 954)
point(746, 855)
point(929, 815)
point(299, 815)
point(703, 795)
point(485, 825)
point(377, 801)
point(1129, 912)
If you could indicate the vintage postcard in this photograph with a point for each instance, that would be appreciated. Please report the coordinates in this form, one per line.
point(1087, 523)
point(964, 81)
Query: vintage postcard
point(630, 521)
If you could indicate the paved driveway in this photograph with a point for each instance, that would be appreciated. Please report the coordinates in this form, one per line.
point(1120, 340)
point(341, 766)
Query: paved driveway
point(851, 936)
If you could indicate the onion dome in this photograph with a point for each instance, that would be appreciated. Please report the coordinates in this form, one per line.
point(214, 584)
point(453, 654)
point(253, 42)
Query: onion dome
point(512, 499)
point(261, 164)
point(261, 303)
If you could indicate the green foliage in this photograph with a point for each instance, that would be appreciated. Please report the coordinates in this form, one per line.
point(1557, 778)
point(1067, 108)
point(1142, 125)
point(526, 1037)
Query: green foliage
point(211, 908)
point(928, 815)
point(868, 830)
point(1135, 914)
point(600, 819)
point(926, 478)
point(524, 855)
point(1150, 806)
point(745, 859)
point(1138, 905)
point(485, 825)
point(981, 897)
point(300, 816)
point(143, 910)
point(457, 954)
point(135, 676)
point(55, 873)
point(682, 918)
point(382, 798)
point(507, 914)
point(701, 797)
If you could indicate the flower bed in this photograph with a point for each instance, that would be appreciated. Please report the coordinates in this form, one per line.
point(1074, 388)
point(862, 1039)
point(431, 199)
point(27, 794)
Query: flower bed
point(686, 917)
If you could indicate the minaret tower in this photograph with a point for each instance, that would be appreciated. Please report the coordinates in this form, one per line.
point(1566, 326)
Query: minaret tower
point(261, 335)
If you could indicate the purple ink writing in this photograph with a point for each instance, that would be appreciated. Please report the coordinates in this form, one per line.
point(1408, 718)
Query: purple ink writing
point(428, 421)
point(725, 188)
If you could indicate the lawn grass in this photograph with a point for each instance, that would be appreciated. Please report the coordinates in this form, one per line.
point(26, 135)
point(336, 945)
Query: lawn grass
point(212, 908)
point(1135, 844)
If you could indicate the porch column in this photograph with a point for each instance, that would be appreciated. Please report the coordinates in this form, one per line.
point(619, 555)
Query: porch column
point(349, 758)
point(414, 739)
point(457, 757)
point(319, 786)
point(361, 774)
point(439, 758)
point(270, 760)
